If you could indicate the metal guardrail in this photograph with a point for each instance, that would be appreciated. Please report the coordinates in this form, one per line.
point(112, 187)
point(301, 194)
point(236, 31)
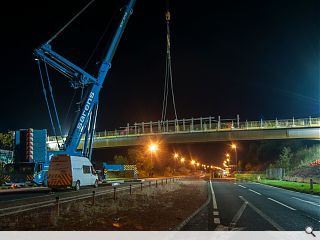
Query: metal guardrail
point(203, 125)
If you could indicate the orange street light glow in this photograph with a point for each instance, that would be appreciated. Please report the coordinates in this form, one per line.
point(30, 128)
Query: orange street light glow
point(234, 146)
point(176, 155)
point(153, 147)
point(182, 160)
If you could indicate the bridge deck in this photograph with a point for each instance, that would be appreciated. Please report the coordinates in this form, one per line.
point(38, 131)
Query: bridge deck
point(206, 130)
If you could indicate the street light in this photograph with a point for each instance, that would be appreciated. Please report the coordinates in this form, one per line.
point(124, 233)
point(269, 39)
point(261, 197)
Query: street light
point(152, 148)
point(227, 155)
point(182, 160)
point(176, 155)
point(233, 146)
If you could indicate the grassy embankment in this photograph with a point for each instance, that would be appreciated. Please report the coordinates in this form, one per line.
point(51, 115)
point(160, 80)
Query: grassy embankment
point(295, 186)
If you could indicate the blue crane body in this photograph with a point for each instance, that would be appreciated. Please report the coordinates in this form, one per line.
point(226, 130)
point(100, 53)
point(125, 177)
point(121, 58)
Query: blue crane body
point(84, 123)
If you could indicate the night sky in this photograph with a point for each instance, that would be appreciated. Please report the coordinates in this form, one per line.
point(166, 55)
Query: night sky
point(258, 59)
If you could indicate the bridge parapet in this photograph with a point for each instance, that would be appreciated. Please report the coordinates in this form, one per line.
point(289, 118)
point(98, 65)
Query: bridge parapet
point(207, 124)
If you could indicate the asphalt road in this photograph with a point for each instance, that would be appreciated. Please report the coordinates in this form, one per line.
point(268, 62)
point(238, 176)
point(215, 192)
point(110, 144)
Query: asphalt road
point(255, 207)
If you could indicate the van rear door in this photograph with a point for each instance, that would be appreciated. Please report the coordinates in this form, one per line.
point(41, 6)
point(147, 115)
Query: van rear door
point(59, 173)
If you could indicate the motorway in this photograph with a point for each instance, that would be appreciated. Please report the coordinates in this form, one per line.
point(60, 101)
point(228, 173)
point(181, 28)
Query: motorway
point(251, 206)
point(234, 205)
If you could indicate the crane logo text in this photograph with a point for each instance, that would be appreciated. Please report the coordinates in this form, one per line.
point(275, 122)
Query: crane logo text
point(85, 111)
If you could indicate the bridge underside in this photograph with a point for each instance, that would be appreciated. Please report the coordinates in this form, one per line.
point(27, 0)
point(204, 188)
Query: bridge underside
point(209, 136)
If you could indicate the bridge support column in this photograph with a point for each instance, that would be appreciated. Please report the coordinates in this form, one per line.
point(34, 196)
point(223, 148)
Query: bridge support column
point(201, 125)
point(219, 123)
point(167, 125)
point(142, 124)
point(277, 124)
point(309, 120)
point(247, 124)
point(209, 122)
point(150, 126)
point(135, 128)
point(128, 128)
point(261, 123)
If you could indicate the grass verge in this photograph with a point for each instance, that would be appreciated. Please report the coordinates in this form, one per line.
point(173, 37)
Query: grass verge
point(295, 186)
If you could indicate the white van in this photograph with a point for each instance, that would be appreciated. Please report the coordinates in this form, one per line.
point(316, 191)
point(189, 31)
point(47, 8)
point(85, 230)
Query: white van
point(71, 171)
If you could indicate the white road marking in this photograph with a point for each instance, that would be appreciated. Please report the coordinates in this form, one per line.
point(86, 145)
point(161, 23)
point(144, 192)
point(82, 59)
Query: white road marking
point(242, 186)
point(236, 217)
point(282, 204)
point(312, 203)
point(215, 213)
point(214, 201)
point(264, 216)
point(254, 192)
point(307, 194)
point(216, 220)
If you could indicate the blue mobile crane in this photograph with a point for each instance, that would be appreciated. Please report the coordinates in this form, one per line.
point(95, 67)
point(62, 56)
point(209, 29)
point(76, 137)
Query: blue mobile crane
point(84, 123)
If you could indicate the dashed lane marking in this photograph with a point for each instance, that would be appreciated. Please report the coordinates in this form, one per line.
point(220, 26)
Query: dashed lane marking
point(216, 220)
point(254, 192)
point(312, 203)
point(242, 186)
point(282, 204)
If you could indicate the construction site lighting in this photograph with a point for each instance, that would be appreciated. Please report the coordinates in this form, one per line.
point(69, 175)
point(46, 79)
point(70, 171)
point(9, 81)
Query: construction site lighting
point(193, 162)
point(176, 155)
point(182, 160)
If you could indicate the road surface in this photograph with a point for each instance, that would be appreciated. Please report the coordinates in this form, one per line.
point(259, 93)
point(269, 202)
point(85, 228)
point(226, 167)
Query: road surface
point(251, 206)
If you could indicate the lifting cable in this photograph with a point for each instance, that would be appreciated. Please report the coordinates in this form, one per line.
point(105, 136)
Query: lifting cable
point(168, 74)
point(47, 103)
point(68, 23)
point(53, 101)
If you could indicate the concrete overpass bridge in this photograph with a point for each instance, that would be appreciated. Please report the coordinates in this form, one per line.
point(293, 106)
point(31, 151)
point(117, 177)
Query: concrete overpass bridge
point(209, 129)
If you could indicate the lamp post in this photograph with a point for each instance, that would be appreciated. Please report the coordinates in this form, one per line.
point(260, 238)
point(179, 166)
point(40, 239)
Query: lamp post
point(235, 149)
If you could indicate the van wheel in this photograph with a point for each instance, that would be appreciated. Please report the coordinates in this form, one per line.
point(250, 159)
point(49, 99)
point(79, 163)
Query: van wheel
point(96, 184)
point(77, 187)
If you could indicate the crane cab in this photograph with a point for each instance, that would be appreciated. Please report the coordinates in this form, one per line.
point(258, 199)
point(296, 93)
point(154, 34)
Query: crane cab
point(71, 172)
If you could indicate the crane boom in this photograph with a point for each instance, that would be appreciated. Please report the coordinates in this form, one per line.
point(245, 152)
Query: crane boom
point(84, 122)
